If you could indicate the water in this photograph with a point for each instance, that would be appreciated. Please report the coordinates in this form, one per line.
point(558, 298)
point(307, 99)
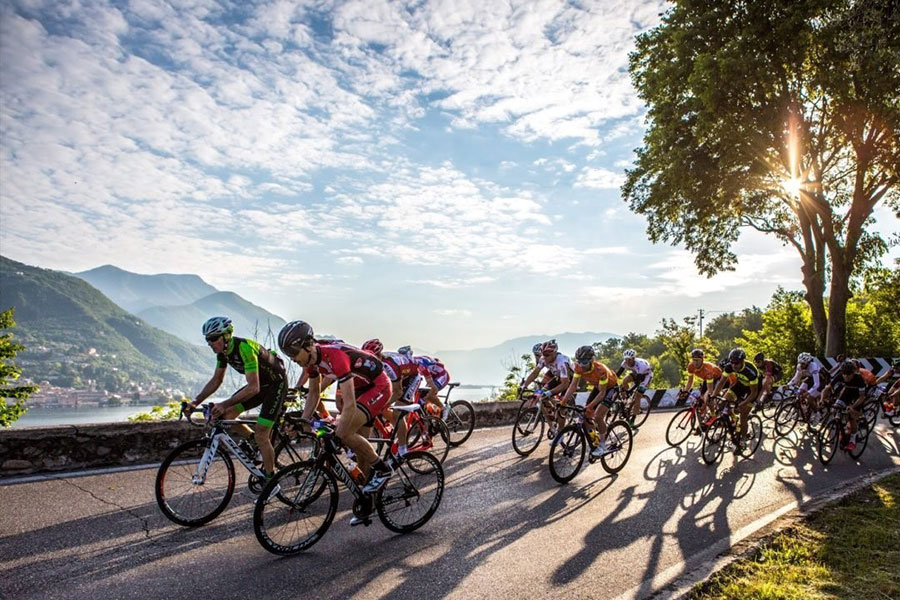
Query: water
point(43, 417)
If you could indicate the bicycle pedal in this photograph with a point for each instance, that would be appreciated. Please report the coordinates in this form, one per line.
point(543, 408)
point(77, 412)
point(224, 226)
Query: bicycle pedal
point(357, 521)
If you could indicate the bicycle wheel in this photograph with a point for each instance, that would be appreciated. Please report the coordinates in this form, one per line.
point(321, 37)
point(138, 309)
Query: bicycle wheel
point(567, 453)
point(293, 511)
point(680, 427)
point(862, 439)
point(528, 430)
point(753, 436)
point(460, 421)
point(786, 418)
point(770, 405)
point(870, 409)
point(429, 434)
point(412, 495)
point(827, 440)
point(714, 440)
point(294, 448)
point(618, 441)
point(188, 503)
point(645, 410)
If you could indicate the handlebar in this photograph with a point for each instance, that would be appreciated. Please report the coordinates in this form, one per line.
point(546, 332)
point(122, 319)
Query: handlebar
point(205, 409)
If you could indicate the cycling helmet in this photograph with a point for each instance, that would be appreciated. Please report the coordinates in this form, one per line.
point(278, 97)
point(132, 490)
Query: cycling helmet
point(549, 347)
point(293, 336)
point(804, 358)
point(584, 354)
point(405, 350)
point(536, 349)
point(736, 355)
point(629, 353)
point(216, 326)
point(374, 346)
point(848, 367)
point(759, 356)
point(697, 353)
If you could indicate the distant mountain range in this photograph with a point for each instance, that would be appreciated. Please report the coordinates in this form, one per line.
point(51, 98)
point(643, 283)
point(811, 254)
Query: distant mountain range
point(179, 304)
point(73, 333)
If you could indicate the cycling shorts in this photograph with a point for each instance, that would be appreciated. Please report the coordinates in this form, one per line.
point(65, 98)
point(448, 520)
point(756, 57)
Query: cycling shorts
point(374, 397)
point(270, 399)
point(708, 386)
point(641, 381)
point(608, 399)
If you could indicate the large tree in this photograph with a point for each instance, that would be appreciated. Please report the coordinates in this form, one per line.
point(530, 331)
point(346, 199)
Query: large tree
point(777, 115)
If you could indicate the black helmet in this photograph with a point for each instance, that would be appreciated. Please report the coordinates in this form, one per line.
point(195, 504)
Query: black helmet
point(536, 349)
point(848, 367)
point(584, 354)
point(759, 356)
point(293, 336)
point(737, 355)
point(697, 353)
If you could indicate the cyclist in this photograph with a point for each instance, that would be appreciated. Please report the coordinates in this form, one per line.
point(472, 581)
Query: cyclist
point(867, 375)
point(560, 369)
point(709, 375)
point(893, 390)
point(641, 374)
point(365, 389)
point(849, 389)
point(602, 380)
point(266, 383)
point(436, 377)
point(808, 375)
point(404, 375)
point(744, 380)
point(769, 373)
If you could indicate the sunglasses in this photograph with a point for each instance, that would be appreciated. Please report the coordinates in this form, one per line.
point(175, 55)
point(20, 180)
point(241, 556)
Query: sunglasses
point(585, 362)
point(212, 338)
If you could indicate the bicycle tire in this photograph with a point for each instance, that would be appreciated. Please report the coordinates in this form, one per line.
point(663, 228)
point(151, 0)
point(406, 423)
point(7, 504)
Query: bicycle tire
point(786, 418)
point(754, 439)
point(714, 441)
point(570, 443)
point(770, 405)
point(680, 427)
point(528, 430)
point(196, 504)
point(871, 409)
point(460, 421)
point(429, 434)
point(827, 440)
point(274, 521)
point(418, 478)
point(620, 439)
point(293, 449)
point(861, 441)
point(645, 410)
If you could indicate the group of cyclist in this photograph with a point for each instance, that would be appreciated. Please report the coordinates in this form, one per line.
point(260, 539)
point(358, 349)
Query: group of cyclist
point(369, 381)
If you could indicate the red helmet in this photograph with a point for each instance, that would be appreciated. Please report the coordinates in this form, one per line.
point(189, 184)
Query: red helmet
point(374, 346)
point(549, 347)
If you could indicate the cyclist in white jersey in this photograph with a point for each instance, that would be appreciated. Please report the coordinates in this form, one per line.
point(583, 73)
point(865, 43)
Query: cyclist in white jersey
point(559, 368)
point(810, 378)
point(640, 373)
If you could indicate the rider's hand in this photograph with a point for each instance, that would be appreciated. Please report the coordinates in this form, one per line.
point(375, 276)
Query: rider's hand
point(187, 408)
point(217, 410)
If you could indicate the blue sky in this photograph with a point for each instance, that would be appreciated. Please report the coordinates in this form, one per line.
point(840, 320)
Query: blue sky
point(444, 174)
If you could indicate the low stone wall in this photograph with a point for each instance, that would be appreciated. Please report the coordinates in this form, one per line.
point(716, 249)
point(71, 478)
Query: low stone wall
point(72, 447)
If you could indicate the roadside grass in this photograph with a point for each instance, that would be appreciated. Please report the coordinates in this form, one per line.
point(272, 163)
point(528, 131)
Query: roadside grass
point(850, 549)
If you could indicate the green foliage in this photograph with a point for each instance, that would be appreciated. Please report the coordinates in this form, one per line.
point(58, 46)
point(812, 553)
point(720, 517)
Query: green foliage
point(169, 412)
point(518, 369)
point(873, 315)
point(678, 340)
point(725, 328)
point(786, 331)
point(10, 413)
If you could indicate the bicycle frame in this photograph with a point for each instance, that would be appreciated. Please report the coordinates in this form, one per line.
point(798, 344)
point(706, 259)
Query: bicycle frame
point(221, 437)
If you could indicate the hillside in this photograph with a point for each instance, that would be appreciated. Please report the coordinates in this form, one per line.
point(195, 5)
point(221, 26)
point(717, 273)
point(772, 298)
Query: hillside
point(73, 333)
point(135, 292)
point(249, 319)
point(488, 366)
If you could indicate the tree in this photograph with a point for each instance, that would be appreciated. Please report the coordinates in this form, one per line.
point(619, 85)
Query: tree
point(786, 331)
point(778, 116)
point(517, 369)
point(10, 413)
point(679, 340)
point(725, 328)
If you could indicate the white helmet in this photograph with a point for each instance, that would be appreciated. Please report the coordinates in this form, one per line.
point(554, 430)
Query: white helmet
point(216, 326)
point(629, 353)
point(804, 357)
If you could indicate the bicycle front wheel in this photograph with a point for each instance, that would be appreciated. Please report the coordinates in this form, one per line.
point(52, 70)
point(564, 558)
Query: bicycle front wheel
point(827, 440)
point(528, 430)
point(567, 453)
point(429, 434)
point(618, 440)
point(460, 421)
point(870, 410)
point(680, 427)
point(862, 440)
point(786, 418)
point(714, 440)
point(641, 416)
point(294, 448)
point(189, 498)
point(753, 437)
point(770, 405)
point(295, 508)
point(412, 494)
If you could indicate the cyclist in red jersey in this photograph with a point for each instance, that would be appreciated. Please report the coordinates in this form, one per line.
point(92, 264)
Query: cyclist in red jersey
point(433, 371)
point(364, 386)
point(402, 372)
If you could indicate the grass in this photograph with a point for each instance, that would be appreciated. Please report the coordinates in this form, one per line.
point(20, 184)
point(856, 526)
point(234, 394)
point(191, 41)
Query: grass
point(850, 549)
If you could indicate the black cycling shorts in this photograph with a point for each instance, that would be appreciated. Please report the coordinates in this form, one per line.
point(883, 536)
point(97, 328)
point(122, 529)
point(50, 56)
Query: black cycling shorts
point(270, 399)
point(607, 401)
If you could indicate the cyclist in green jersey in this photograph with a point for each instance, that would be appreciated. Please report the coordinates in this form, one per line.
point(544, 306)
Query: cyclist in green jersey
point(266, 383)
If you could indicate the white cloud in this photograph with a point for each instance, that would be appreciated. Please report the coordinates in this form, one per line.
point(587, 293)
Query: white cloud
point(599, 179)
point(452, 312)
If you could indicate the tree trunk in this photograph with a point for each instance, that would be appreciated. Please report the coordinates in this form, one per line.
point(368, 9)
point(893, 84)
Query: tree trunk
point(836, 341)
point(815, 296)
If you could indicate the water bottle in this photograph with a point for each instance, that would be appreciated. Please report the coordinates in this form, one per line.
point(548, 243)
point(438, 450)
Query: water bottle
point(356, 473)
point(595, 438)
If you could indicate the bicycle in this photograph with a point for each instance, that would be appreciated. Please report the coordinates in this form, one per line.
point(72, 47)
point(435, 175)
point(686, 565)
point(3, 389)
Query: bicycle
point(298, 505)
point(569, 447)
point(528, 429)
point(459, 415)
point(794, 409)
point(424, 432)
point(686, 421)
point(725, 429)
point(833, 434)
point(623, 403)
point(196, 481)
point(877, 399)
point(769, 405)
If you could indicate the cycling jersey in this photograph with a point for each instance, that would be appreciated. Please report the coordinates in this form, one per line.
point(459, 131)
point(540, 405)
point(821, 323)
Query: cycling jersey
point(248, 356)
point(432, 367)
point(810, 376)
point(848, 391)
point(560, 367)
point(344, 362)
point(867, 376)
point(596, 374)
point(771, 369)
point(398, 366)
point(640, 368)
point(741, 380)
point(706, 372)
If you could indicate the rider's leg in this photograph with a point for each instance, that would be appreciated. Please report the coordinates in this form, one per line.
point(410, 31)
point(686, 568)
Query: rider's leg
point(352, 420)
point(263, 435)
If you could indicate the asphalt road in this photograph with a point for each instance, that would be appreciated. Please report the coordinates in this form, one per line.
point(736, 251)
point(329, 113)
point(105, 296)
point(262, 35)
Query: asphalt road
point(505, 529)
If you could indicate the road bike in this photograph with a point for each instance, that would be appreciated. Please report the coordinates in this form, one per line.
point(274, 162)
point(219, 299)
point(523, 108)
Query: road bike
point(623, 403)
point(196, 481)
point(834, 434)
point(579, 438)
point(725, 430)
point(424, 432)
point(531, 421)
point(459, 415)
point(877, 398)
point(298, 505)
point(794, 409)
point(685, 422)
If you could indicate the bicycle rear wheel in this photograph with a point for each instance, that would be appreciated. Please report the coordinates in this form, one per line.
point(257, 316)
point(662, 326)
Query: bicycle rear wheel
point(429, 434)
point(618, 440)
point(412, 495)
point(641, 417)
point(770, 405)
point(753, 436)
point(528, 430)
point(862, 440)
point(294, 511)
point(567, 453)
point(460, 421)
point(827, 440)
point(714, 440)
point(786, 418)
point(181, 499)
point(680, 427)
point(871, 409)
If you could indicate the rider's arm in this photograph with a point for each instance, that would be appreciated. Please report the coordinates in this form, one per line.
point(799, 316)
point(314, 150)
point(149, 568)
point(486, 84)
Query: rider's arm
point(570, 391)
point(531, 376)
point(312, 398)
point(430, 381)
point(211, 386)
point(885, 376)
point(689, 384)
point(563, 384)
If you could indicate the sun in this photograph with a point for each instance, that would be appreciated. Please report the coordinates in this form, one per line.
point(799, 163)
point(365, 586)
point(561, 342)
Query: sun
point(792, 186)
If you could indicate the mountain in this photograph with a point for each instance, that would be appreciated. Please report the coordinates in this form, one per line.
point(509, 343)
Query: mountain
point(135, 292)
point(186, 321)
point(73, 333)
point(489, 366)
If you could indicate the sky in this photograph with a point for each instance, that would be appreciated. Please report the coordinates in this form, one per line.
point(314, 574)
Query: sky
point(444, 174)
